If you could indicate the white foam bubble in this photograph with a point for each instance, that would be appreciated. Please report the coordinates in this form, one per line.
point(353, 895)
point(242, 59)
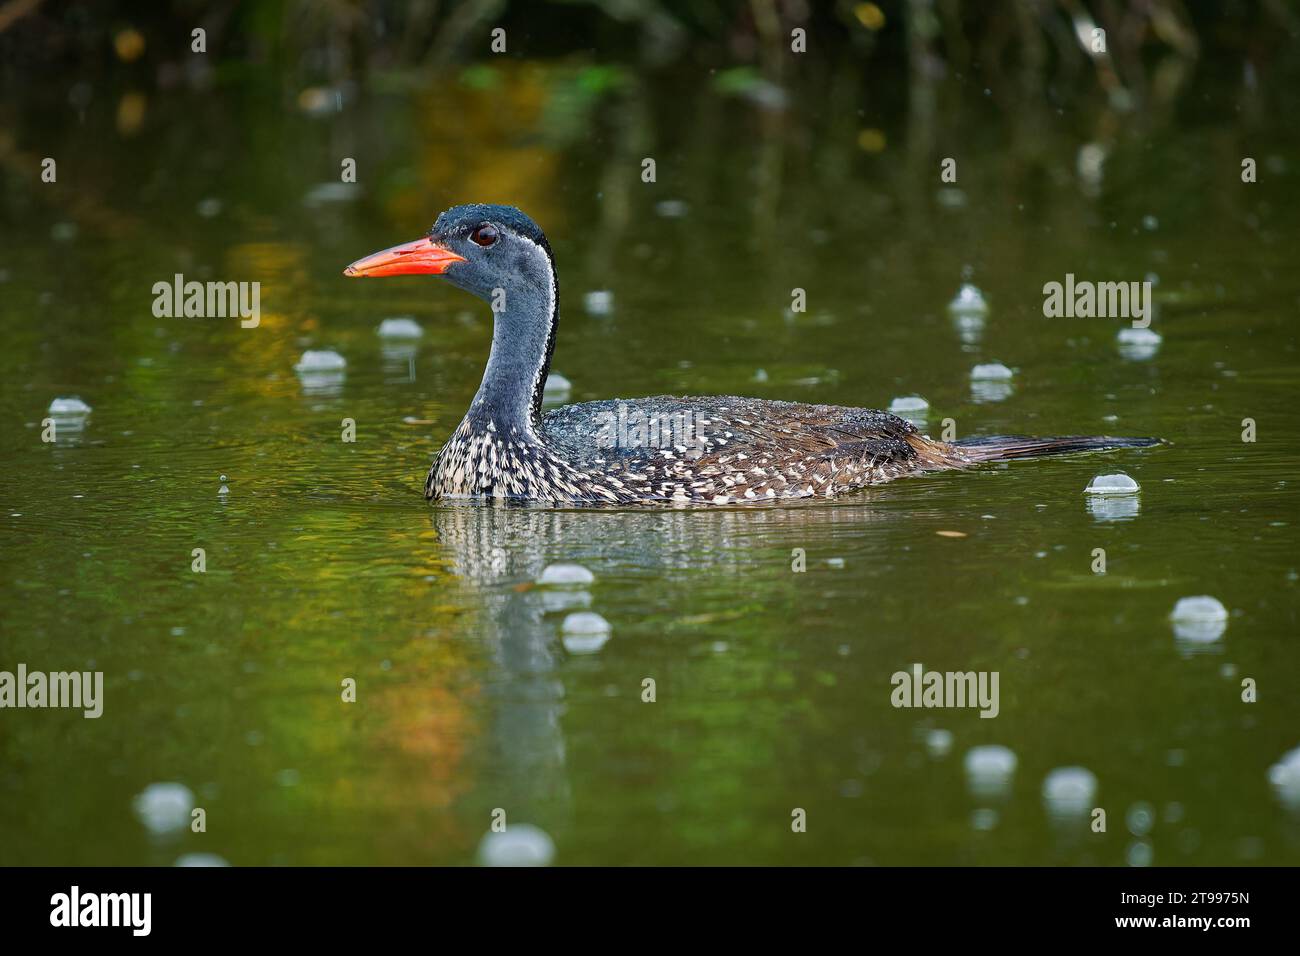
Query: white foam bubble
point(1140, 818)
point(1138, 344)
point(989, 770)
point(983, 819)
point(320, 360)
point(556, 386)
point(565, 575)
point(1116, 484)
point(1068, 792)
point(991, 372)
point(908, 404)
point(520, 844)
point(938, 742)
point(164, 808)
point(584, 632)
point(598, 302)
point(968, 300)
point(1140, 853)
point(1284, 776)
point(323, 193)
point(1201, 607)
point(1199, 620)
point(399, 327)
point(70, 407)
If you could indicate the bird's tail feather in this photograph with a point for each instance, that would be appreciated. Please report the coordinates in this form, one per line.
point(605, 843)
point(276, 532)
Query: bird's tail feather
point(1007, 447)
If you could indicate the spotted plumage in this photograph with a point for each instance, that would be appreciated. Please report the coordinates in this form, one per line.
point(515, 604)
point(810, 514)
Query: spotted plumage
point(717, 450)
point(720, 450)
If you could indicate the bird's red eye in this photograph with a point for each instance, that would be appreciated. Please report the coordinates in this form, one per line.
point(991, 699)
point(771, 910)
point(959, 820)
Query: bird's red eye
point(485, 234)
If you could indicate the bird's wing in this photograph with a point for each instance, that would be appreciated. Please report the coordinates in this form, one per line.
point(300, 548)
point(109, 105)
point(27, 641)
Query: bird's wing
point(727, 446)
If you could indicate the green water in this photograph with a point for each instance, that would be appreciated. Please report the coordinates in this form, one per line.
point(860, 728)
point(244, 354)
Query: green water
point(772, 687)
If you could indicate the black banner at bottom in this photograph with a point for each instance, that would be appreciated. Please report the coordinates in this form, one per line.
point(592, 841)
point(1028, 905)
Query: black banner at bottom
point(335, 905)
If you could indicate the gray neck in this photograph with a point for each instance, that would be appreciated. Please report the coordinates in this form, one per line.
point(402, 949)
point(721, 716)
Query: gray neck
point(523, 338)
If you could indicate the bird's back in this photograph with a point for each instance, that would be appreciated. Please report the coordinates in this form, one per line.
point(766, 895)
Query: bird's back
point(721, 449)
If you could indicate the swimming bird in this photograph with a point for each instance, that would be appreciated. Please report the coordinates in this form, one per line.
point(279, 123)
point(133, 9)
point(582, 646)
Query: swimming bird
point(716, 450)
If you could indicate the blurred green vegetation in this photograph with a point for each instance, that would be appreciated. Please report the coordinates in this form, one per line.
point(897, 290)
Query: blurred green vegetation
point(308, 42)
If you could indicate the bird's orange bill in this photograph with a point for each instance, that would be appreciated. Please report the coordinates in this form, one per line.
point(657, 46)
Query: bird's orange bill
point(421, 257)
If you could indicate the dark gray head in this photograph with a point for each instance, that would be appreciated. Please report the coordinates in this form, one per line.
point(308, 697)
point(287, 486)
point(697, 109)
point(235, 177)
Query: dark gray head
point(503, 250)
point(478, 247)
point(500, 255)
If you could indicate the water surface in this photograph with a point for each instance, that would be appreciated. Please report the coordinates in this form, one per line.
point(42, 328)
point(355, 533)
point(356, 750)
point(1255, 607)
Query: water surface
point(772, 686)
